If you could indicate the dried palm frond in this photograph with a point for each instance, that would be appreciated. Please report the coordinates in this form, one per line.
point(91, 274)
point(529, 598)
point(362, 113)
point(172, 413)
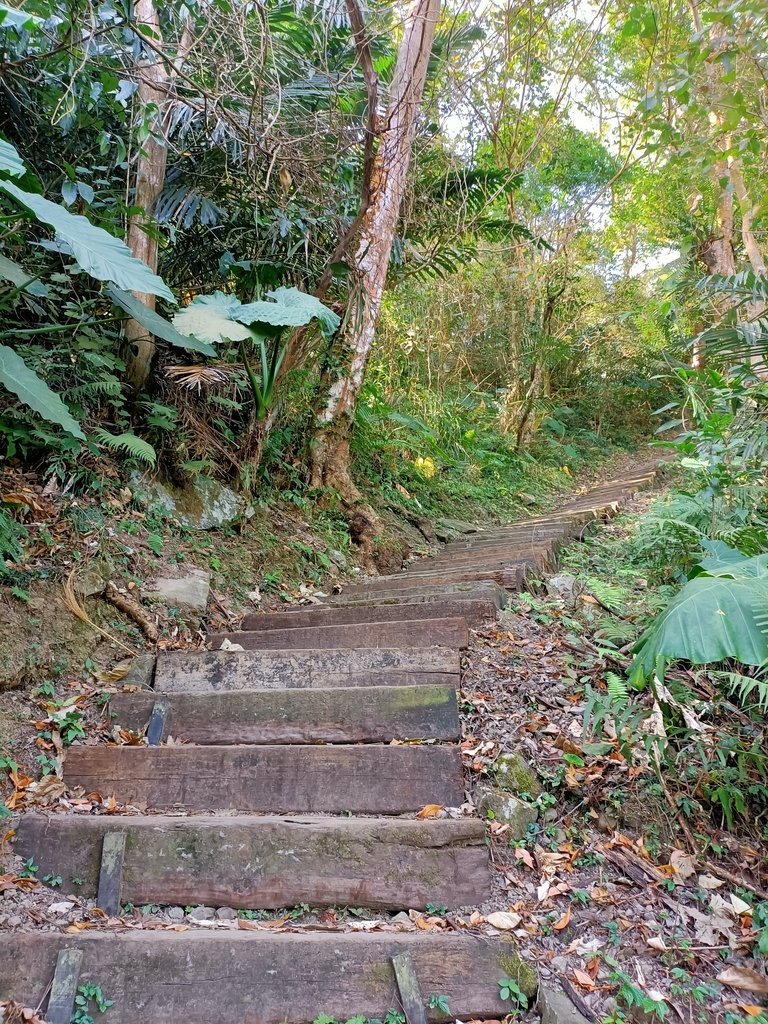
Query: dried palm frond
point(76, 608)
point(194, 377)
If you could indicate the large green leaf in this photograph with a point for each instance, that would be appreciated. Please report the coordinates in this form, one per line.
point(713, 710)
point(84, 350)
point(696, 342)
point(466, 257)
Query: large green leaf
point(213, 318)
point(100, 254)
point(12, 271)
point(10, 161)
point(290, 308)
point(12, 17)
point(712, 618)
point(34, 392)
point(156, 324)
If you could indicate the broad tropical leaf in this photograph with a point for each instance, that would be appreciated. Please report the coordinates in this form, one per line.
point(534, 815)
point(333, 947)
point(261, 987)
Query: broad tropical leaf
point(100, 254)
point(10, 161)
point(12, 17)
point(713, 618)
point(213, 318)
point(155, 323)
point(12, 271)
point(34, 392)
point(290, 308)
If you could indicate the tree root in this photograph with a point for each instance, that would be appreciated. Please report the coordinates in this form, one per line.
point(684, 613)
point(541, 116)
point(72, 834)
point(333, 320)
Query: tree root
point(134, 610)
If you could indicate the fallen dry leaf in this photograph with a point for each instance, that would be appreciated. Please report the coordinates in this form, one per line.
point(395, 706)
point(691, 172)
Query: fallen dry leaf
point(430, 811)
point(740, 906)
point(583, 980)
point(710, 882)
point(564, 921)
point(683, 864)
point(522, 854)
point(743, 978)
point(504, 921)
point(751, 1010)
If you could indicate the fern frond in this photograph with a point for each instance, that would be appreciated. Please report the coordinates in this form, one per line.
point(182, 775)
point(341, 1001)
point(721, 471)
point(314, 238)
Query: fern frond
point(128, 443)
point(618, 690)
point(752, 691)
point(106, 386)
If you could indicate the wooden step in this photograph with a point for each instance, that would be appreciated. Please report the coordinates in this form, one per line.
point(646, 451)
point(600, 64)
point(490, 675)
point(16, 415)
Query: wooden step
point(510, 579)
point(281, 779)
point(204, 672)
point(475, 610)
point(247, 977)
point(491, 557)
point(544, 550)
point(360, 597)
point(269, 862)
point(516, 539)
point(450, 633)
point(339, 715)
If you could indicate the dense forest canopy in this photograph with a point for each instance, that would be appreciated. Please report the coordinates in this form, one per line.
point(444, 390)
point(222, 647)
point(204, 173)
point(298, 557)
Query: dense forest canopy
point(542, 212)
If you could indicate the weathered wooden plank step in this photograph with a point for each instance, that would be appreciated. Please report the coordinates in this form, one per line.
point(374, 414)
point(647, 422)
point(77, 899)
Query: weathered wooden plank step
point(517, 538)
point(264, 978)
point(280, 779)
point(501, 553)
point(360, 596)
point(338, 715)
point(510, 578)
point(492, 557)
point(450, 633)
point(474, 610)
point(193, 672)
point(269, 862)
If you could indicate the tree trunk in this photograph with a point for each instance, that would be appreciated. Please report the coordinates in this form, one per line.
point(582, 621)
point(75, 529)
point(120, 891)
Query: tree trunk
point(748, 236)
point(330, 445)
point(718, 255)
point(149, 179)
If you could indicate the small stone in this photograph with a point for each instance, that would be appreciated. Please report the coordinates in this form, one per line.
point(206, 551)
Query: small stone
point(447, 529)
point(189, 592)
point(60, 908)
point(175, 914)
point(559, 964)
point(90, 583)
point(507, 620)
point(507, 809)
point(14, 921)
point(141, 672)
point(515, 775)
point(564, 587)
point(556, 1008)
point(338, 557)
point(226, 914)
point(202, 914)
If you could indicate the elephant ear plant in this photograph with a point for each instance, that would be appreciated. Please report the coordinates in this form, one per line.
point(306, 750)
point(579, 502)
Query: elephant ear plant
point(257, 327)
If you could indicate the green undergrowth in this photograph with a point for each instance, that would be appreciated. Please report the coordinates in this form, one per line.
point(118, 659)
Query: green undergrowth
point(447, 455)
point(698, 729)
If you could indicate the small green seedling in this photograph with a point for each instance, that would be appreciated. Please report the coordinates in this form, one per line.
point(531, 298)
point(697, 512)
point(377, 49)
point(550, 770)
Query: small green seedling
point(509, 989)
point(439, 1002)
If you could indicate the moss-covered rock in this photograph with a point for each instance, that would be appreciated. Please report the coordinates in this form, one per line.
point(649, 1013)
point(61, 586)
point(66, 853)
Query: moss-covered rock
point(512, 965)
point(508, 809)
point(514, 775)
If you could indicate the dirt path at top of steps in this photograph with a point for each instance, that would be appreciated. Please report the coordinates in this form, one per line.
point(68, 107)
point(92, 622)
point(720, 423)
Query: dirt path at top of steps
point(320, 757)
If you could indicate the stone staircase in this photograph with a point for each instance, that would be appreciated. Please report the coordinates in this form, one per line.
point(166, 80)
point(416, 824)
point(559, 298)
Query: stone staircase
point(293, 778)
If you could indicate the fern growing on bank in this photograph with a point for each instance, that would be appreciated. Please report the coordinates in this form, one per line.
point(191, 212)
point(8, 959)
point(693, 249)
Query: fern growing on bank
point(127, 443)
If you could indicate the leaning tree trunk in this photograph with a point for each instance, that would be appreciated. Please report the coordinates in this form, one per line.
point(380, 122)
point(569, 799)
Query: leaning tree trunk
point(149, 180)
point(718, 255)
point(330, 445)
